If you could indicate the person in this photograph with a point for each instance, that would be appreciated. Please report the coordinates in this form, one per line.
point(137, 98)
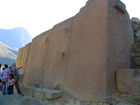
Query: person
point(10, 84)
point(15, 72)
point(6, 74)
point(10, 68)
point(2, 72)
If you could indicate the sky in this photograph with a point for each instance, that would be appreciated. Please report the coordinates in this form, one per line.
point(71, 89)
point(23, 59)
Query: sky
point(38, 16)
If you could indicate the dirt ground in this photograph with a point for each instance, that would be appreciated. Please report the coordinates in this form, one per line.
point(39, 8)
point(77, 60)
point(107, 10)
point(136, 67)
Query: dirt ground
point(18, 100)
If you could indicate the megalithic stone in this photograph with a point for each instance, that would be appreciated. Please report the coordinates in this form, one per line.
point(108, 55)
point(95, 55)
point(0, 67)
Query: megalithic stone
point(83, 52)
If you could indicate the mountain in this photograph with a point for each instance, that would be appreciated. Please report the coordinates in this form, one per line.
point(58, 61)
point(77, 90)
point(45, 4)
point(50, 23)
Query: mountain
point(7, 55)
point(15, 38)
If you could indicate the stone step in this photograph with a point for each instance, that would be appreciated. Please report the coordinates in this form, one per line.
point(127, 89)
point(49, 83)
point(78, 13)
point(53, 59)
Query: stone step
point(44, 94)
point(27, 91)
point(128, 81)
point(41, 94)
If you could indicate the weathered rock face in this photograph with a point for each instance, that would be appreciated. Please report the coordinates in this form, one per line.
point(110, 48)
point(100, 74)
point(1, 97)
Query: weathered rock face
point(136, 45)
point(125, 80)
point(23, 57)
point(120, 38)
point(81, 53)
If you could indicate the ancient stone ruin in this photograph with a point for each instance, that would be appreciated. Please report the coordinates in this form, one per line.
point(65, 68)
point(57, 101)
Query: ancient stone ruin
point(80, 55)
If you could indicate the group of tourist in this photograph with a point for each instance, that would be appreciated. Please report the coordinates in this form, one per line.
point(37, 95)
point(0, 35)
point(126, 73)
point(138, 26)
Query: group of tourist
point(9, 77)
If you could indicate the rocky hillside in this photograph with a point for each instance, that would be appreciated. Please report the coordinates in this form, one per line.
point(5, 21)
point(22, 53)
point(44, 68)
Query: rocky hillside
point(7, 55)
point(15, 38)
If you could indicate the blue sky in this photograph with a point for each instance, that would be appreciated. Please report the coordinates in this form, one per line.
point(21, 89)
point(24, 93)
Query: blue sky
point(38, 16)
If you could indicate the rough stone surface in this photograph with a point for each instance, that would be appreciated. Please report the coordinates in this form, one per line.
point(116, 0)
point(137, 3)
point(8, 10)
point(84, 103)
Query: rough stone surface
point(125, 80)
point(47, 94)
point(135, 20)
point(82, 52)
point(22, 58)
point(121, 7)
point(28, 91)
point(136, 46)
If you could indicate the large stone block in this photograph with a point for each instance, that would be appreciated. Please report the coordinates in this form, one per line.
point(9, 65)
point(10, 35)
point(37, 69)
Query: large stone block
point(125, 80)
point(44, 94)
point(28, 91)
point(22, 58)
point(82, 52)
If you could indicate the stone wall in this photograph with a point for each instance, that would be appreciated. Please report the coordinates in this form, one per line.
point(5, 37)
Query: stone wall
point(136, 45)
point(23, 57)
point(81, 54)
point(120, 39)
